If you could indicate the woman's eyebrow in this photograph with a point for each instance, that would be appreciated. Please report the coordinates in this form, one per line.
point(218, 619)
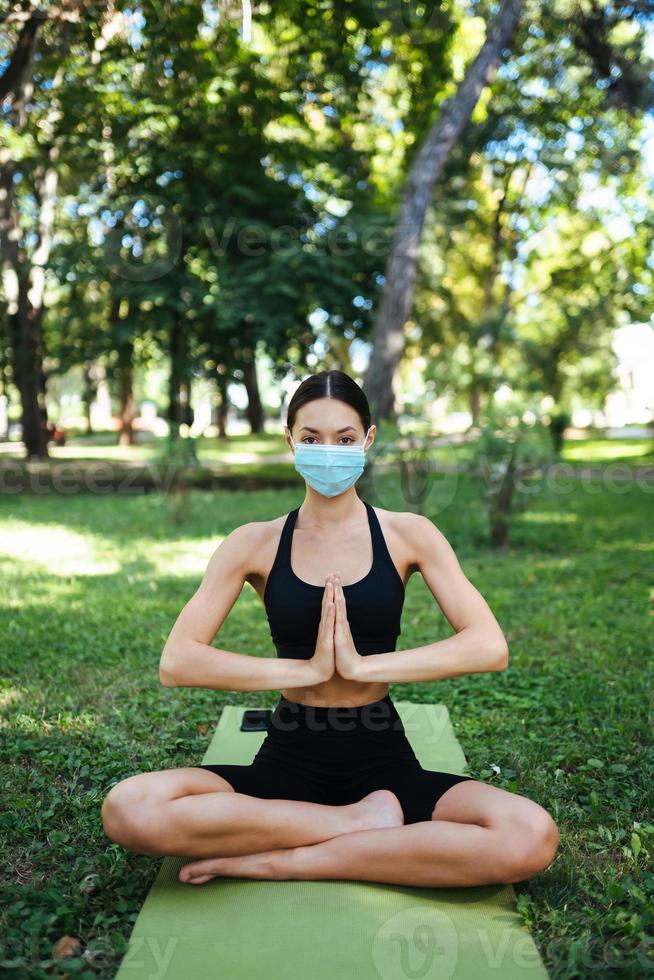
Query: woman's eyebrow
point(317, 431)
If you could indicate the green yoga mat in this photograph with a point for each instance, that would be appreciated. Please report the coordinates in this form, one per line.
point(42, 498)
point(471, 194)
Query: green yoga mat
point(244, 929)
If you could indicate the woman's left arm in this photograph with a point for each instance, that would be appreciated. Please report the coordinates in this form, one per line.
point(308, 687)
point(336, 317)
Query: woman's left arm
point(478, 644)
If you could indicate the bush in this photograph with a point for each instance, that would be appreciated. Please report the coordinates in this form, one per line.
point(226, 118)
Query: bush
point(507, 455)
point(559, 422)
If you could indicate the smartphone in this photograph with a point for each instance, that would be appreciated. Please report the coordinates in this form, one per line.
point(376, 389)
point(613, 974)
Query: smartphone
point(255, 719)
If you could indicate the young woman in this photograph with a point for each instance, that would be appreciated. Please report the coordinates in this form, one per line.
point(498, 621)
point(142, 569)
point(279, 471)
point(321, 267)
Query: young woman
point(335, 791)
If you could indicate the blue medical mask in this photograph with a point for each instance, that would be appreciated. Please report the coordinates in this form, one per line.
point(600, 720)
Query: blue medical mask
point(330, 470)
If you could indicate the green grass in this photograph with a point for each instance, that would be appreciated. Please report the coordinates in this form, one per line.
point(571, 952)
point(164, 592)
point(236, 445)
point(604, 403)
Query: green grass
point(633, 451)
point(93, 585)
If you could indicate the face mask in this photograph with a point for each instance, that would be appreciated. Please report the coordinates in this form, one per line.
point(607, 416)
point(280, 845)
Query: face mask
point(330, 470)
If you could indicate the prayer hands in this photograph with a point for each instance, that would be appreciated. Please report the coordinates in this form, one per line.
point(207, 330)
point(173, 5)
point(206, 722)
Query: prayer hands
point(346, 658)
point(335, 652)
point(322, 663)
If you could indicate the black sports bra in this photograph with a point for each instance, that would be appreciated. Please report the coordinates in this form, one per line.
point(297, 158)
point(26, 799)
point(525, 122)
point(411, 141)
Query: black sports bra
point(374, 603)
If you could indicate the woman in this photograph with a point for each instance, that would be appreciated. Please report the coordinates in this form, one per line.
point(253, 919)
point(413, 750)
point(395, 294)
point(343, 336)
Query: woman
point(335, 791)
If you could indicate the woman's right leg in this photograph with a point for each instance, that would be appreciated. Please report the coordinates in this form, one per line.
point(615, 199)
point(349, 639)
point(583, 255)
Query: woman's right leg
point(194, 812)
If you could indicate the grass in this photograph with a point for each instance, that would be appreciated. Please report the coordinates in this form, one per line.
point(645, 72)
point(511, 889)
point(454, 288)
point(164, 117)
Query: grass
point(93, 585)
point(633, 451)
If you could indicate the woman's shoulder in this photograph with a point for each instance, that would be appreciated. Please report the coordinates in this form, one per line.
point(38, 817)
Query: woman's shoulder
point(259, 540)
point(405, 533)
point(415, 536)
point(260, 529)
point(403, 521)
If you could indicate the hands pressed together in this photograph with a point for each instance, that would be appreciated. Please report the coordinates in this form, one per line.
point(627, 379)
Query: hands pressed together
point(335, 650)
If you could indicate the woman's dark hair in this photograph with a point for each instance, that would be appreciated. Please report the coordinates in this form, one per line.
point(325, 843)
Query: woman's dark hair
point(329, 384)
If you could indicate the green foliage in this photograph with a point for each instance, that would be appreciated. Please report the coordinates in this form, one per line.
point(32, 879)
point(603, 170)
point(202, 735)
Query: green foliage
point(527, 272)
point(269, 173)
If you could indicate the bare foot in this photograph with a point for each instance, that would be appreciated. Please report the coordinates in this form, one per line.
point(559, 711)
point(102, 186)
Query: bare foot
point(379, 809)
point(262, 864)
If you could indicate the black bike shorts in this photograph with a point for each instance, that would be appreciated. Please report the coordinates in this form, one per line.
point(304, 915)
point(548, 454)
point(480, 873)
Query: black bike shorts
point(336, 755)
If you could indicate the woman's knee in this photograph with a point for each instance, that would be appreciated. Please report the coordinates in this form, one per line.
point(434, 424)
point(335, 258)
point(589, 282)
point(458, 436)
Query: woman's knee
point(127, 814)
point(531, 842)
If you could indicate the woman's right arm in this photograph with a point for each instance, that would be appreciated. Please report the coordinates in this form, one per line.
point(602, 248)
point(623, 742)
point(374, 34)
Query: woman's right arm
point(189, 660)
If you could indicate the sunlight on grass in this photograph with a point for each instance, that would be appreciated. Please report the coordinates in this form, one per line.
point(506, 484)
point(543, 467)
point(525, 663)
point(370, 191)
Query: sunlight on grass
point(549, 517)
point(85, 722)
point(588, 450)
point(550, 564)
point(180, 558)
point(58, 550)
point(63, 552)
point(241, 457)
point(129, 454)
point(9, 696)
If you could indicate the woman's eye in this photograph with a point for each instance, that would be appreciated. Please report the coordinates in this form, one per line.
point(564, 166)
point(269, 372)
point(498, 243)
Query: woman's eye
point(349, 438)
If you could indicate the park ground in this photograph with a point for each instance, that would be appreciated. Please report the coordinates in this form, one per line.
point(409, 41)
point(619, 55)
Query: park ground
point(93, 582)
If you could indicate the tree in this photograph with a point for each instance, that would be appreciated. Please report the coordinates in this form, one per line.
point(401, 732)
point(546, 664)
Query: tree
point(30, 159)
point(397, 296)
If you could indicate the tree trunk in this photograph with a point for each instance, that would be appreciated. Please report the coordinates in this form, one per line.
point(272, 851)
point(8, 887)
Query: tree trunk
point(179, 381)
point(223, 381)
point(23, 288)
point(4, 390)
point(127, 411)
point(23, 279)
point(126, 395)
point(397, 296)
point(500, 504)
point(474, 396)
point(124, 373)
point(18, 73)
point(89, 391)
point(254, 408)
point(27, 343)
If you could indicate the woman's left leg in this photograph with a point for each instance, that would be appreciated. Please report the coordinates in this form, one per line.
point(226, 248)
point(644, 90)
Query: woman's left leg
point(478, 834)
